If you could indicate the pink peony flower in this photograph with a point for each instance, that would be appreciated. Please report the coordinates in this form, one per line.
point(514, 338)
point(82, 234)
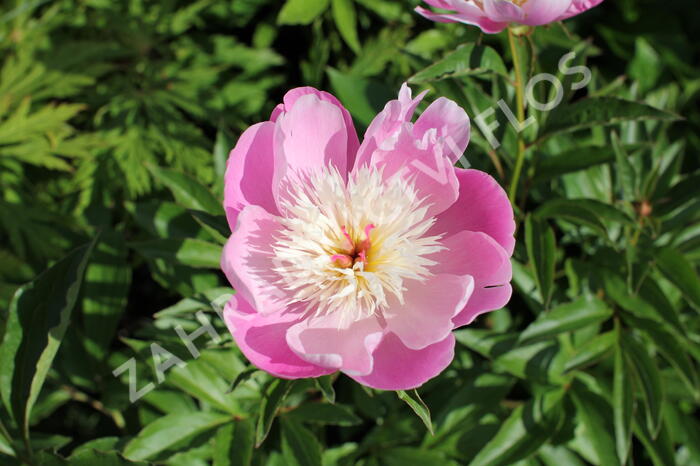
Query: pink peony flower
point(360, 258)
point(492, 16)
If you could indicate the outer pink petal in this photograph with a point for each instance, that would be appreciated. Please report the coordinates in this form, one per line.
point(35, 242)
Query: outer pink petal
point(579, 6)
point(482, 206)
point(474, 17)
point(539, 12)
point(451, 123)
point(310, 135)
point(480, 256)
point(387, 123)
point(425, 164)
point(249, 169)
point(425, 316)
point(248, 261)
point(326, 342)
point(261, 338)
point(291, 97)
point(397, 367)
point(504, 11)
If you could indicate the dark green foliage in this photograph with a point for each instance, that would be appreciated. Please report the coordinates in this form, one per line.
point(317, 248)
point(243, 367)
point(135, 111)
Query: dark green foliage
point(116, 118)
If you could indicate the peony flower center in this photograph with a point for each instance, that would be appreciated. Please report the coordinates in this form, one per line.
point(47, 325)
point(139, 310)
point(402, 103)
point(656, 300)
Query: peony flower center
point(352, 246)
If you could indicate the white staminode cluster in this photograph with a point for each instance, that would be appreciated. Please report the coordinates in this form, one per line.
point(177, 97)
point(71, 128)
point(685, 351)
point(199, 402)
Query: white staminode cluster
point(324, 256)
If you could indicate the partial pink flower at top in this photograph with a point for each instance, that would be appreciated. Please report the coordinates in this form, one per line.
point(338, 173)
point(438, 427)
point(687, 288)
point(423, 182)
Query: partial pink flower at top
point(492, 16)
point(360, 258)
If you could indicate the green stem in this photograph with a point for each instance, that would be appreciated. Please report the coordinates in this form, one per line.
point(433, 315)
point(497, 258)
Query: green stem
point(520, 102)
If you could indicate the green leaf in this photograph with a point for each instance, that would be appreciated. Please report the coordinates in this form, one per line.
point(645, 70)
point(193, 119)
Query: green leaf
point(186, 251)
point(188, 192)
point(622, 401)
point(299, 446)
point(233, 444)
point(273, 398)
point(626, 176)
point(301, 11)
point(362, 97)
point(346, 21)
point(599, 111)
point(567, 317)
point(166, 431)
point(679, 271)
point(527, 428)
point(402, 456)
point(325, 385)
point(594, 413)
point(541, 250)
point(467, 60)
point(647, 373)
point(107, 281)
point(573, 160)
point(562, 209)
point(38, 317)
point(414, 401)
point(323, 413)
point(591, 351)
point(242, 377)
point(670, 345)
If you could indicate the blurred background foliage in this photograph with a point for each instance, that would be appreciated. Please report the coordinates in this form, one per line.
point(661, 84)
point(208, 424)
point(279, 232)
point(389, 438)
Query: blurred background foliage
point(116, 119)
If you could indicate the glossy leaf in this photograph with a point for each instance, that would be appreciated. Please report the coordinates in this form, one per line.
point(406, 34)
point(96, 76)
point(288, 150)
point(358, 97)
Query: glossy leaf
point(38, 317)
point(541, 250)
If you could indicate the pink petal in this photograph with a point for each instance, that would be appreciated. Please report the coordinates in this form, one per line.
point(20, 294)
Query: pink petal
point(480, 256)
point(397, 367)
point(504, 11)
point(291, 97)
point(451, 123)
point(248, 260)
point(425, 316)
point(387, 123)
point(261, 338)
point(539, 12)
point(249, 169)
point(424, 164)
point(310, 135)
point(578, 7)
point(473, 16)
point(325, 341)
point(483, 206)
